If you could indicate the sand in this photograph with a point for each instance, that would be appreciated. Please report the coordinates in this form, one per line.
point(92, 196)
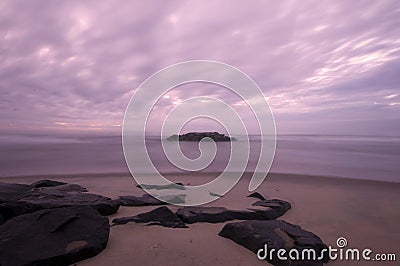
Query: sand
point(366, 213)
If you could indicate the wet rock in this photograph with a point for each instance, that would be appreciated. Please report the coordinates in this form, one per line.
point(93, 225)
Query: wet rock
point(60, 236)
point(179, 186)
point(276, 207)
point(220, 214)
point(145, 200)
point(148, 200)
point(17, 199)
point(174, 199)
point(63, 188)
point(161, 216)
point(2, 219)
point(12, 209)
point(42, 200)
point(194, 214)
point(47, 183)
point(256, 195)
point(11, 192)
point(275, 234)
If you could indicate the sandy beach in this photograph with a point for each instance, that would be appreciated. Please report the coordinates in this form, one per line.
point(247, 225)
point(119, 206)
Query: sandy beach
point(365, 212)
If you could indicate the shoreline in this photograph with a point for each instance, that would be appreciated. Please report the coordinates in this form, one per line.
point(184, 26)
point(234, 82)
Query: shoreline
point(246, 175)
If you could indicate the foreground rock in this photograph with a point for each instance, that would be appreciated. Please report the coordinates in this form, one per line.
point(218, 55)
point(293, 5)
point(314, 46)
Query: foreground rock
point(41, 201)
point(160, 216)
point(275, 208)
point(59, 236)
point(148, 200)
point(11, 192)
point(19, 199)
point(276, 235)
point(198, 136)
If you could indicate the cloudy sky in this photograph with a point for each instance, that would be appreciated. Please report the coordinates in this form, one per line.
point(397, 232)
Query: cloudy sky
point(324, 66)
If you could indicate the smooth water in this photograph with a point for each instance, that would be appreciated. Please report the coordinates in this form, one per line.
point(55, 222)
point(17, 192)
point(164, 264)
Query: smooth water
point(364, 157)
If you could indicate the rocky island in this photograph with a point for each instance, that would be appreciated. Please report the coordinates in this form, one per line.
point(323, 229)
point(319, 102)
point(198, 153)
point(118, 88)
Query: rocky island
point(197, 136)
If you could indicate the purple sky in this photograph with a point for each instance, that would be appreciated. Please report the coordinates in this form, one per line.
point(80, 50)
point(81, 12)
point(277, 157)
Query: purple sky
point(325, 66)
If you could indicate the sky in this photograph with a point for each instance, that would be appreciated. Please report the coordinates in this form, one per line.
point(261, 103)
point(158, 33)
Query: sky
point(329, 67)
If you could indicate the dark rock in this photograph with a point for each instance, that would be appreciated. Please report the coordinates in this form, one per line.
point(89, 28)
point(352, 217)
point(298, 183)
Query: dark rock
point(42, 200)
point(194, 214)
point(148, 200)
point(59, 236)
point(145, 200)
point(160, 216)
point(276, 235)
point(15, 208)
point(198, 136)
point(256, 195)
point(11, 192)
point(174, 199)
point(47, 183)
point(173, 137)
point(179, 186)
point(19, 199)
point(215, 195)
point(276, 207)
point(220, 214)
point(64, 188)
point(2, 219)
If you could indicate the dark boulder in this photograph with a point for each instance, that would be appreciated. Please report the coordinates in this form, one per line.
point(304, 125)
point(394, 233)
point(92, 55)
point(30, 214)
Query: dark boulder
point(12, 209)
point(42, 200)
point(256, 195)
point(161, 216)
point(47, 183)
point(19, 199)
point(221, 214)
point(275, 234)
point(11, 192)
point(60, 236)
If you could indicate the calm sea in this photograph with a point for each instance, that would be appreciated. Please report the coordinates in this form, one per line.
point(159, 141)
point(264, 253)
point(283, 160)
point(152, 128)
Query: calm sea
point(362, 157)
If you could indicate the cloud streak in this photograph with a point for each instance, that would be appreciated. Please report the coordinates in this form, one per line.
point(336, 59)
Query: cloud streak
point(74, 65)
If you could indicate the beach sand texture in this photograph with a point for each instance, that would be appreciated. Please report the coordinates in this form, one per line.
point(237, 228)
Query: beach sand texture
point(366, 213)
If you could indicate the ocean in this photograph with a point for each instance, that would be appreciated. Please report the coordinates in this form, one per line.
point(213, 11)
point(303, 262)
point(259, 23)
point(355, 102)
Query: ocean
point(359, 157)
